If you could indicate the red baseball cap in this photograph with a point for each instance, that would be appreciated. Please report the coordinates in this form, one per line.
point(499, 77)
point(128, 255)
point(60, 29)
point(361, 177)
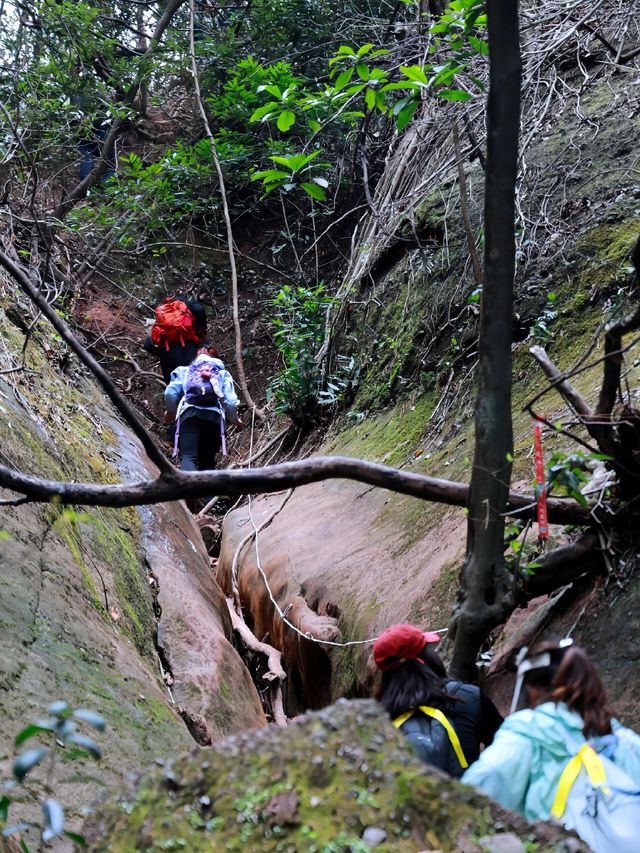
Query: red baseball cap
point(400, 643)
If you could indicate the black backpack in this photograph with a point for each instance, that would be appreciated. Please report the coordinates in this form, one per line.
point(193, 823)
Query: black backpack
point(433, 737)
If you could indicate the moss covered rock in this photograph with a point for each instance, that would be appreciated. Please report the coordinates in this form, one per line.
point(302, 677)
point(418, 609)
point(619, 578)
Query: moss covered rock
point(85, 591)
point(338, 780)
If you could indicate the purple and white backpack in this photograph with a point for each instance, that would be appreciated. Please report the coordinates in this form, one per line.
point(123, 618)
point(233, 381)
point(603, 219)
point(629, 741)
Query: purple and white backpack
point(203, 388)
point(202, 384)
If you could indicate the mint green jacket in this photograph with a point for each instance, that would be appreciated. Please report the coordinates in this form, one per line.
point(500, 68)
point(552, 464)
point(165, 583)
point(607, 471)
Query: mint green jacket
point(522, 767)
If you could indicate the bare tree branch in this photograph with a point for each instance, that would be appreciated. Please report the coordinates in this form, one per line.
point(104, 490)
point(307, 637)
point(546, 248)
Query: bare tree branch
point(173, 484)
point(563, 565)
point(276, 674)
point(613, 360)
point(22, 278)
point(561, 383)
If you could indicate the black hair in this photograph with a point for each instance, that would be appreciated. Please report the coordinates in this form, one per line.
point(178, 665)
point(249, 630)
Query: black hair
point(415, 683)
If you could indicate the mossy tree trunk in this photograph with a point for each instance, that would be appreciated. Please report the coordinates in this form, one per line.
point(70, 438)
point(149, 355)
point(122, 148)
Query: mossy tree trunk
point(486, 585)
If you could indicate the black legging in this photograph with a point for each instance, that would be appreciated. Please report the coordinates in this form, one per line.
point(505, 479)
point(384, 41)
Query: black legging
point(199, 442)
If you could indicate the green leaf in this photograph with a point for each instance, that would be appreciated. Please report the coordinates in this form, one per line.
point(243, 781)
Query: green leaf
point(270, 175)
point(405, 113)
point(5, 802)
point(478, 45)
point(314, 191)
point(27, 761)
point(363, 71)
point(263, 113)
point(78, 839)
point(405, 84)
point(296, 161)
point(286, 119)
point(53, 814)
point(370, 98)
point(32, 730)
point(86, 744)
point(90, 717)
point(454, 95)
point(314, 125)
point(364, 49)
point(343, 79)
point(415, 73)
point(272, 90)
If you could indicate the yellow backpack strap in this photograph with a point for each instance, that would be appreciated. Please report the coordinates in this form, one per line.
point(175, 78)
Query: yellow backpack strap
point(402, 718)
point(436, 714)
point(588, 758)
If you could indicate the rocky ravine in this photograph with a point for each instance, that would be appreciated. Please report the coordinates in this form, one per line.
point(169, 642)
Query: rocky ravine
point(89, 596)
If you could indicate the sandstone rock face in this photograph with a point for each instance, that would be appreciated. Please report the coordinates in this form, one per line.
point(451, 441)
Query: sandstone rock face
point(89, 596)
point(341, 779)
point(342, 563)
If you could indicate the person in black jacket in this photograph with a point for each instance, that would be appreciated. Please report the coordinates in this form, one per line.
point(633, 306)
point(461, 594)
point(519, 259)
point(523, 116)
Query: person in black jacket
point(444, 720)
point(180, 355)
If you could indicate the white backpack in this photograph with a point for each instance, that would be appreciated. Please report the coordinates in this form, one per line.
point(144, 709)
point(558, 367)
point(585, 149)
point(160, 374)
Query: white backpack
point(598, 800)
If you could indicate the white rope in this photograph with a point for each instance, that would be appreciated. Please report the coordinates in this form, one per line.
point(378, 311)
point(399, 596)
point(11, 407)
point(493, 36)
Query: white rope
point(277, 608)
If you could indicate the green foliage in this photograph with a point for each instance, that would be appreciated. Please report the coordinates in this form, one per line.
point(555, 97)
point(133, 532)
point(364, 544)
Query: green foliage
point(296, 171)
point(540, 330)
point(520, 555)
point(299, 328)
point(282, 79)
point(63, 741)
point(567, 474)
point(298, 323)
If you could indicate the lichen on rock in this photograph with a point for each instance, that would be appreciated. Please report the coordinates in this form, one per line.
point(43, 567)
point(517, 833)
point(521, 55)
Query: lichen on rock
point(341, 779)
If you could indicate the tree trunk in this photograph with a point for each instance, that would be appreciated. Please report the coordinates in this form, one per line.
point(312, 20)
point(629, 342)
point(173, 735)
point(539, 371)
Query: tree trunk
point(486, 586)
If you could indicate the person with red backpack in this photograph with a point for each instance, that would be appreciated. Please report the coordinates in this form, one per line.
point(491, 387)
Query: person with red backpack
point(202, 399)
point(179, 330)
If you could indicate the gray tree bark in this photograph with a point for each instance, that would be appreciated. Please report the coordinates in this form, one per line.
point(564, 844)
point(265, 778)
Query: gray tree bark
point(486, 586)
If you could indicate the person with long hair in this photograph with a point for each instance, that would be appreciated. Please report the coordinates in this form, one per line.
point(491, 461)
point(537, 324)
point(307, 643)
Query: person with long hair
point(445, 721)
point(538, 752)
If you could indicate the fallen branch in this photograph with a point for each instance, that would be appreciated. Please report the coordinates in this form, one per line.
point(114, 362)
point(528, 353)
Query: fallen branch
point(116, 397)
point(275, 675)
point(175, 485)
point(561, 383)
point(251, 459)
point(562, 565)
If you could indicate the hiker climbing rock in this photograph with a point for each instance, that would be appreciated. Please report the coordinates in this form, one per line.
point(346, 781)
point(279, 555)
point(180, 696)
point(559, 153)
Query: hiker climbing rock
point(564, 755)
point(179, 330)
point(445, 721)
point(202, 398)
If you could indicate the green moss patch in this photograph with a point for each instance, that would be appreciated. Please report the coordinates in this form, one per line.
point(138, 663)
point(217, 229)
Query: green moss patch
point(316, 786)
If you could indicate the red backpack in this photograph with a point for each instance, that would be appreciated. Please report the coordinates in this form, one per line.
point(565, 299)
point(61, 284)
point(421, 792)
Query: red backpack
point(174, 324)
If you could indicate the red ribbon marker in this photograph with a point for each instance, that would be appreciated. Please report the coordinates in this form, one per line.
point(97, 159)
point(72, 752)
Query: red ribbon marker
point(541, 483)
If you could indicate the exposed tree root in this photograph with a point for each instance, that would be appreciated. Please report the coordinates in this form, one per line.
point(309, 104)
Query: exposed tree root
point(275, 674)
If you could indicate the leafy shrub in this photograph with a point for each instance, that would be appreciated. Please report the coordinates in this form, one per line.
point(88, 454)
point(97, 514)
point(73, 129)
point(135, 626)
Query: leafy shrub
point(299, 321)
point(64, 741)
point(298, 390)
